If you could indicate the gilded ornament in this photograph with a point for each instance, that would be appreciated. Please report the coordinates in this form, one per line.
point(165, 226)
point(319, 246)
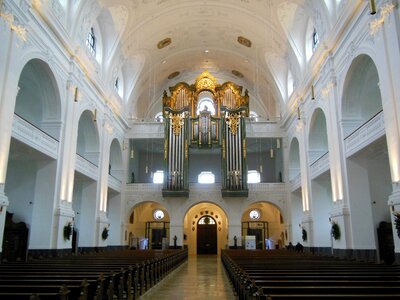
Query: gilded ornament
point(232, 120)
point(176, 123)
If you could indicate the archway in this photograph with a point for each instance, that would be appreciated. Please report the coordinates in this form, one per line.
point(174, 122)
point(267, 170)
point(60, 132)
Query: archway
point(296, 203)
point(31, 174)
point(84, 201)
point(193, 227)
point(148, 226)
point(264, 221)
point(368, 169)
point(321, 189)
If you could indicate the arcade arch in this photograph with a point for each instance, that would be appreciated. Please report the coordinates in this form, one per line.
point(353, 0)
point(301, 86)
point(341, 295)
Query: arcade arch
point(201, 240)
point(368, 169)
point(321, 189)
point(31, 174)
point(264, 221)
point(147, 227)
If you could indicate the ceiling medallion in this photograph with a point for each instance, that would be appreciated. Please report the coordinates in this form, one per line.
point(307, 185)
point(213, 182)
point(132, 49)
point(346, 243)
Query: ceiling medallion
point(243, 41)
point(237, 73)
point(173, 75)
point(164, 43)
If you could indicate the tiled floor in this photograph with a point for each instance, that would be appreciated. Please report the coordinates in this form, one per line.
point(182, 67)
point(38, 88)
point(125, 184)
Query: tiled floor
point(201, 277)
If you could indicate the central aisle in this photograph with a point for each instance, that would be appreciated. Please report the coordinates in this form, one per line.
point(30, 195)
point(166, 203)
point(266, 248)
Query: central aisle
point(201, 277)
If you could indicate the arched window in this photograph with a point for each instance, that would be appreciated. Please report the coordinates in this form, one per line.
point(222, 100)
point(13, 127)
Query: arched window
point(158, 176)
point(205, 101)
point(253, 176)
point(206, 177)
point(158, 214)
point(91, 42)
point(159, 117)
point(253, 116)
point(206, 220)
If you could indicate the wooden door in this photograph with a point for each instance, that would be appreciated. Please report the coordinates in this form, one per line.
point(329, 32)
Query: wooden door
point(207, 239)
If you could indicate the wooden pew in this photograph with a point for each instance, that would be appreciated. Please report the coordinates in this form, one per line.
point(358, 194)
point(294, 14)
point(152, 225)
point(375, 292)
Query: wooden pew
point(120, 275)
point(283, 275)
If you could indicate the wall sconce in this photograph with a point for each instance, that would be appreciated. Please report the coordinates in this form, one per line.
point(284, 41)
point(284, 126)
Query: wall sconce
point(312, 92)
point(372, 7)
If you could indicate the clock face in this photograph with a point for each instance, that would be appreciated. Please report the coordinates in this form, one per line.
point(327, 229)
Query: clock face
point(254, 214)
point(158, 214)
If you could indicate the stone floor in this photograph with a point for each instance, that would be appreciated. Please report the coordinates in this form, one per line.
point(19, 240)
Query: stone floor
point(201, 277)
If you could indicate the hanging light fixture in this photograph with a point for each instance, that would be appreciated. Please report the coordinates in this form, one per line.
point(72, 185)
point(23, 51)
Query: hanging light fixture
point(278, 143)
point(261, 163)
point(95, 115)
point(147, 157)
point(312, 92)
point(372, 7)
point(298, 112)
point(132, 154)
point(271, 149)
point(76, 94)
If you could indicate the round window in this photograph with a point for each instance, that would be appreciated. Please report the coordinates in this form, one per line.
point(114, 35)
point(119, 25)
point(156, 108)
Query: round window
point(255, 214)
point(158, 214)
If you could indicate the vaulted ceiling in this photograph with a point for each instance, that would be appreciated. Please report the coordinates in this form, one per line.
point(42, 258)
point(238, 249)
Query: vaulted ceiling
point(255, 43)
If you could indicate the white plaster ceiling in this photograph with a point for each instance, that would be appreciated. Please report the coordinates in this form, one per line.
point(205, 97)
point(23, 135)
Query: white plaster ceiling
point(197, 26)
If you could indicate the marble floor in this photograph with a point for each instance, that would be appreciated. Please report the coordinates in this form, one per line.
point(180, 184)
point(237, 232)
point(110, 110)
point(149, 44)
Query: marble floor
point(201, 277)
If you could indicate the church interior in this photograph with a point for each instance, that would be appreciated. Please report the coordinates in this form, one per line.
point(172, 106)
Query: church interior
point(200, 126)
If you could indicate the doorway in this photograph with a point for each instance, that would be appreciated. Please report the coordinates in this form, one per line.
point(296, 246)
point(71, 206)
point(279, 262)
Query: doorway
point(207, 236)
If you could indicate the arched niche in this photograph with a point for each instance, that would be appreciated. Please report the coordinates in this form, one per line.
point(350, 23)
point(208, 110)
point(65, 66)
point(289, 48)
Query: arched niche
point(38, 99)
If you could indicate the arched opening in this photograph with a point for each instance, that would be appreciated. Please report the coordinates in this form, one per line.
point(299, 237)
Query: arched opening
point(263, 223)
point(368, 169)
point(31, 174)
point(361, 99)
point(88, 138)
point(85, 181)
point(294, 159)
point(38, 99)
point(195, 231)
point(148, 226)
point(115, 165)
point(321, 189)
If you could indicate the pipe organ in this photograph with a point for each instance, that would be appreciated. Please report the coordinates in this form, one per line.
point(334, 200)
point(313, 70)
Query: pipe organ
point(205, 115)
